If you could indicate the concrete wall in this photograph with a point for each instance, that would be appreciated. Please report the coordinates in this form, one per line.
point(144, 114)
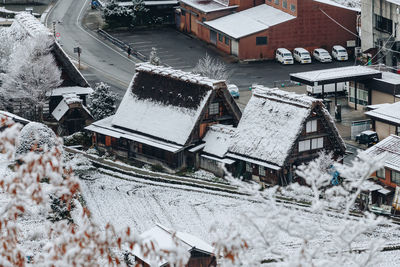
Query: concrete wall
point(384, 130)
point(381, 98)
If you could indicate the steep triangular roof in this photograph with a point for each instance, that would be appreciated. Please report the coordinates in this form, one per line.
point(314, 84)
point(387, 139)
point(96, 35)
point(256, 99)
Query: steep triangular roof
point(391, 147)
point(164, 103)
point(166, 239)
point(271, 123)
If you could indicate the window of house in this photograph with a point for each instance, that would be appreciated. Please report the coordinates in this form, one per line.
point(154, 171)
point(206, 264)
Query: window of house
point(397, 130)
point(317, 143)
point(261, 170)
point(304, 145)
point(183, 13)
point(226, 40)
point(220, 37)
point(276, 2)
point(383, 24)
point(395, 177)
point(311, 126)
point(248, 167)
point(293, 8)
point(213, 109)
point(203, 19)
point(284, 3)
point(101, 139)
point(262, 40)
point(380, 173)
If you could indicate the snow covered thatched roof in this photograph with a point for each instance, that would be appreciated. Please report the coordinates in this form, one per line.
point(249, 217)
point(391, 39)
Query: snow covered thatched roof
point(31, 25)
point(391, 146)
point(164, 103)
point(270, 125)
point(164, 239)
point(217, 139)
point(249, 21)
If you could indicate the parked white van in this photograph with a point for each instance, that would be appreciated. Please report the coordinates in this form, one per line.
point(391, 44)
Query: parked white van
point(322, 55)
point(339, 53)
point(301, 55)
point(284, 56)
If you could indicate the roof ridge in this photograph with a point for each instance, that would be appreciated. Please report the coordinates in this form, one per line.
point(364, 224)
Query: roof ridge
point(165, 229)
point(286, 97)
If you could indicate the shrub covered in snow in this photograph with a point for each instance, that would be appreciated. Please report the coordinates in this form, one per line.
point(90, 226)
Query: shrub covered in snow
point(35, 137)
point(102, 101)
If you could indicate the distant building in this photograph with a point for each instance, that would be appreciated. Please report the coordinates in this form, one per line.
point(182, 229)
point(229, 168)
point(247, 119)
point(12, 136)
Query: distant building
point(163, 115)
point(280, 131)
point(385, 119)
point(379, 30)
point(255, 29)
point(201, 253)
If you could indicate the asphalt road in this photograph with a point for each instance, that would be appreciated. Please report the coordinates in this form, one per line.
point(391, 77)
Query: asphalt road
point(101, 61)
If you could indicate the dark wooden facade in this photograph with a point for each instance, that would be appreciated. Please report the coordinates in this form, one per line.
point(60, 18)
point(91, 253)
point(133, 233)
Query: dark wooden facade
point(325, 131)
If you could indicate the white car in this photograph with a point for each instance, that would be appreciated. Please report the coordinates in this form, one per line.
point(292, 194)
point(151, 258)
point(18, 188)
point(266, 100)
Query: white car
point(284, 56)
point(339, 53)
point(322, 55)
point(233, 90)
point(301, 55)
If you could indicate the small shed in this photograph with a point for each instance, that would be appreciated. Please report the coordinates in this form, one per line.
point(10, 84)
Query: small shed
point(201, 253)
point(72, 116)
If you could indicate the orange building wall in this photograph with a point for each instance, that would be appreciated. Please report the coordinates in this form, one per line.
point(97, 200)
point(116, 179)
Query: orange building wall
point(311, 29)
point(387, 181)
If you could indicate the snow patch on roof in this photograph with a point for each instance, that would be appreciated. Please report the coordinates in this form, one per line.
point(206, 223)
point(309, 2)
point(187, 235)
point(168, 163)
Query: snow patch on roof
point(354, 5)
point(70, 90)
point(178, 74)
point(218, 139)
point(249, 21)
point(31, 25)
point(391, 146)
point(271, 123)
point(63, 106)
point(389, 77)
point(163, 239)
point(388, 112)
point(208, 5)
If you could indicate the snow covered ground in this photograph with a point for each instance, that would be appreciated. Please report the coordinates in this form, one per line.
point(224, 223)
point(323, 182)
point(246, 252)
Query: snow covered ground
point(141, 205)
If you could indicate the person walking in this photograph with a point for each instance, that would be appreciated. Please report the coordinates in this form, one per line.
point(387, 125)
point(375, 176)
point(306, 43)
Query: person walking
point(129, 51)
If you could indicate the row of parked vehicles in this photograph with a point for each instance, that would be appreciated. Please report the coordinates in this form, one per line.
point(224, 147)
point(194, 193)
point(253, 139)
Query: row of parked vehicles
point(302, 56)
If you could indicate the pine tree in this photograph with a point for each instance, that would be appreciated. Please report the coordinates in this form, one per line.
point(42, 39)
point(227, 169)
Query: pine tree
point(102, 101)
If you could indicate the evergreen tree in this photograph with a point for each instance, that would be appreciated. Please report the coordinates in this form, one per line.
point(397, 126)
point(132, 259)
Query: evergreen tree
point(102, 101)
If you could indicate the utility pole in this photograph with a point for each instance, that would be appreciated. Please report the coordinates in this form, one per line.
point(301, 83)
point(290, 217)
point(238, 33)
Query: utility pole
point(54, 29)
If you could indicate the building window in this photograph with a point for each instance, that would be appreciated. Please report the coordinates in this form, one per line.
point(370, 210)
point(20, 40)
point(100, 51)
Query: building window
point(183, 13)
point(248, 167)
point(293, 8)
point(220, 37)
point(203, 19)
point(261, 170)
point(261, 40)
point(317, 143)
point(398, 130)
point(226, 40)
point(362, 95)
point(380, 173)
point(213, 109)
point(276, 2)
point(383, 24)
point(395, 177)
point(304, 145)
point(284, 3)
point(101, 139)
point(311, 126)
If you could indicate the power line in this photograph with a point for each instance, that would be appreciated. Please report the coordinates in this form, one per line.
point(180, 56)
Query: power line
point(339, 23)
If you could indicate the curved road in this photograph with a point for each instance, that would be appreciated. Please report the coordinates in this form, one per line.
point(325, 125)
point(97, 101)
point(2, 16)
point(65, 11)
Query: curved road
point(107, 63)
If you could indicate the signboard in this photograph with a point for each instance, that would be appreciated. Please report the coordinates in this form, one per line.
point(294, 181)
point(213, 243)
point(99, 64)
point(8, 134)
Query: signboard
point(351, 43)
point(359, 126)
